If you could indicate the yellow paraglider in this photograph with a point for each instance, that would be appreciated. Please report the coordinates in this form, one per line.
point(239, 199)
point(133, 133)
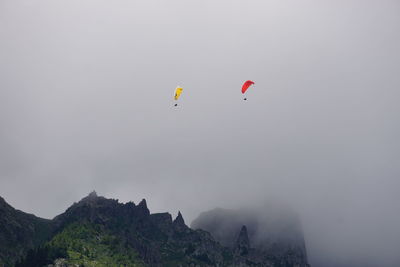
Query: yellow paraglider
point(178, 92)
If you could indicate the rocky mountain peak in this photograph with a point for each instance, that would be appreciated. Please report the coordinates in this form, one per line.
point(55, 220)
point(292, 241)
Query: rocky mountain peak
point(92, 194)
point(272, 231)
point(243, 241)
point(143, 204)
point(137, 236)
point(179, 222)
point(92, 197)
point(179, 219)
point(142, 208)
point(3, 203)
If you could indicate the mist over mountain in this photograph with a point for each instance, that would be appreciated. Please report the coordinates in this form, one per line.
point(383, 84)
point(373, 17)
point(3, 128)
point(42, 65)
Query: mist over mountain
point(267, 227)
point(87, 101)
point(270, 230)
point(97, 231)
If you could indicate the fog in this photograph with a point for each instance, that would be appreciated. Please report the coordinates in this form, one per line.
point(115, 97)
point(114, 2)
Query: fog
point(86, 103)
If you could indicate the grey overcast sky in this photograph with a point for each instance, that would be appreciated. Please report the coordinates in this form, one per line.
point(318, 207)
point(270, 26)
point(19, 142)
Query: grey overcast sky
point(86, 104)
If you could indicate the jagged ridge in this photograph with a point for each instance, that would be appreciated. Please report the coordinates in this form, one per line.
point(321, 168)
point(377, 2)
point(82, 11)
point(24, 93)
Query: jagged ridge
point(127, 234)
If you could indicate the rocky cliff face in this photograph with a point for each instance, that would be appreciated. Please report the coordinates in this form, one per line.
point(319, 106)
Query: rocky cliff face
point(157, 239)
point(242, 244)
point(263, 235)
point(103, 231)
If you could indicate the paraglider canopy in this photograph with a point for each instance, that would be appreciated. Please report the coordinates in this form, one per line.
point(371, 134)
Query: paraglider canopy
point(178, 92)
point(246, 85)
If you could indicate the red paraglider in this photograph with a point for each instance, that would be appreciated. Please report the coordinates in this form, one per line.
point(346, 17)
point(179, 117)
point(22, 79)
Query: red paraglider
point(246, 86)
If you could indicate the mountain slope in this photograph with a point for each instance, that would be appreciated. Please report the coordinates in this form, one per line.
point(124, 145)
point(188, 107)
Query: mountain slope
point(127, 232)
point(274, 232)
point(84, 244)
point(103, 232)
point(19, 233)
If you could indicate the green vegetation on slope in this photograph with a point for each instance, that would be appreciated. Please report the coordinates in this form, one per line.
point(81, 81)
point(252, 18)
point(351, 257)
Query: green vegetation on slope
point(85, 244)
point(102, 232)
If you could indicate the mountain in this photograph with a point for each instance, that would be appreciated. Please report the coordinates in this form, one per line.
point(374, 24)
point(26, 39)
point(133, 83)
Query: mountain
point(275, 233)
point(19, 232)
point(98, 231)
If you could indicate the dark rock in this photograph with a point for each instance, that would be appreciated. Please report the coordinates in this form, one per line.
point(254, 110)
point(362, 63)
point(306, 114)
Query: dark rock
point(275, 234)
point(142, 208)
point(162, 221)
point(179, 222)
point(143, 204)
point(155, 238)
point(19, 232)
point(242, 242)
